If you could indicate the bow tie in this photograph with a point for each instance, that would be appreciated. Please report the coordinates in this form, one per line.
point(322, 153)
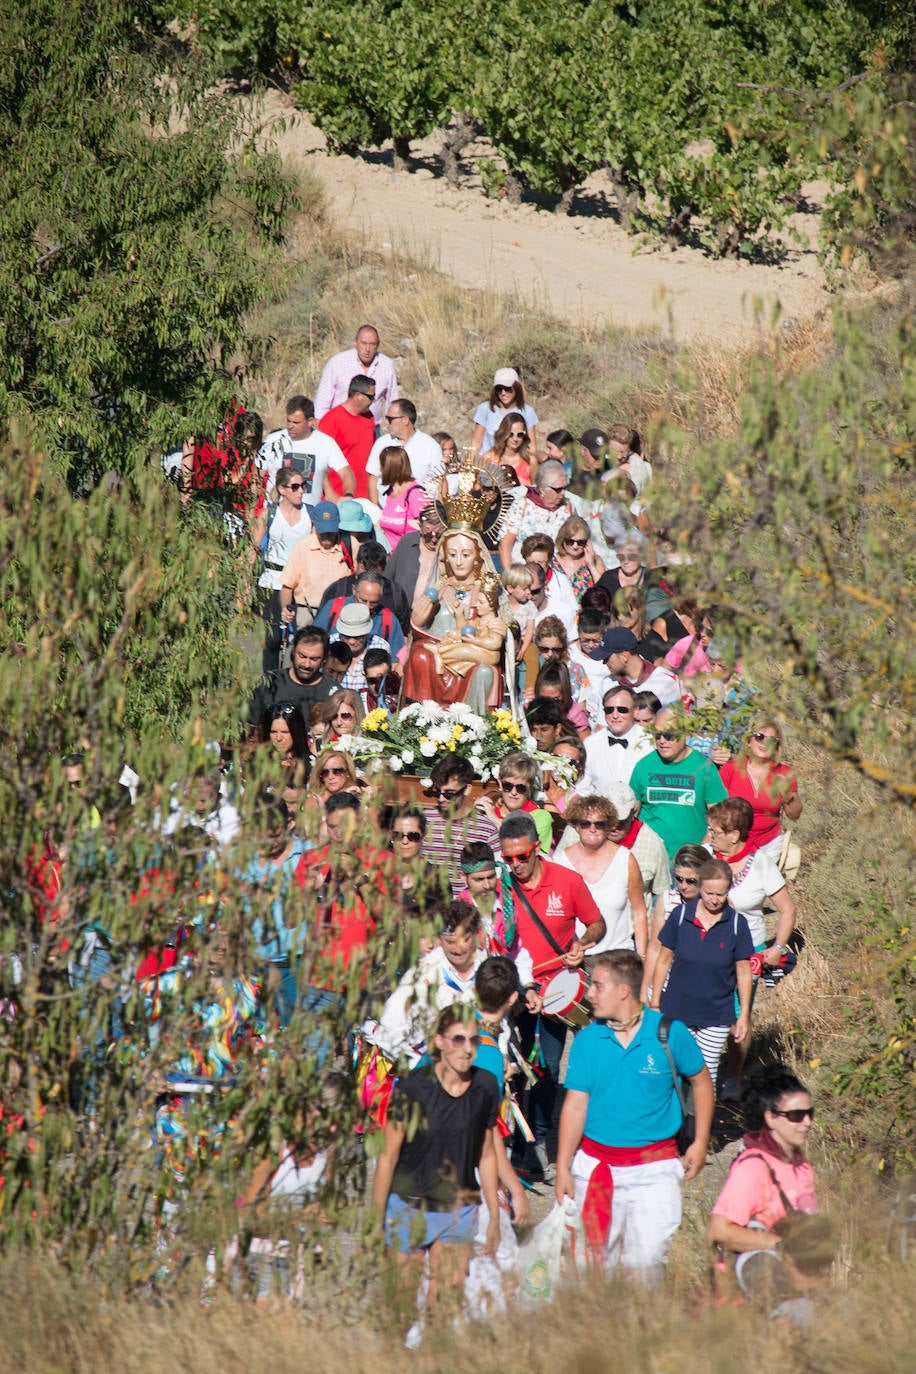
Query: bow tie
point(615, 739)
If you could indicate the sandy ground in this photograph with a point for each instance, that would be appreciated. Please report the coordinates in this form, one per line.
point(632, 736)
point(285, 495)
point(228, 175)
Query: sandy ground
point(582, 268)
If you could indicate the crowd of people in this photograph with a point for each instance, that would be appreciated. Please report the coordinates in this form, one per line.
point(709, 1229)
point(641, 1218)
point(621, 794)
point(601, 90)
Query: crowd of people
point(592, 928)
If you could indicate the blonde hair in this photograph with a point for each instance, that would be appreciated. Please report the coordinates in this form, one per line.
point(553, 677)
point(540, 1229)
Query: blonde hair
point(315, 786)
point(516, 575)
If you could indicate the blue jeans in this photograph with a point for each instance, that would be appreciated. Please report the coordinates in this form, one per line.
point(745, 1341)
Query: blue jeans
point(551, 1034)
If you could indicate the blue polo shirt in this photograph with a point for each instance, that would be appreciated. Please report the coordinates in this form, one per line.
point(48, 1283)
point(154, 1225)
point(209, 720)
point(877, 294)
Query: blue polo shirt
point(631, 1096)
point(702, 982)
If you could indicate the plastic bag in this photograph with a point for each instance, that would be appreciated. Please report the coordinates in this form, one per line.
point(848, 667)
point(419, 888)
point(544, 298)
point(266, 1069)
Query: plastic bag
point(550, 1255)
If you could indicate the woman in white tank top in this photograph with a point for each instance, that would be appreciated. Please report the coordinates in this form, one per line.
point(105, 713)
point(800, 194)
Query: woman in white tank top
point(610, 872)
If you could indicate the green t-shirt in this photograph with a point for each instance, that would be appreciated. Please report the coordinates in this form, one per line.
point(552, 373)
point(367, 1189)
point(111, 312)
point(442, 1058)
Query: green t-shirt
point(673, 797)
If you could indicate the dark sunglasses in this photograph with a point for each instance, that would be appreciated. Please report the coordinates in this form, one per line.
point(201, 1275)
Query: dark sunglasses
point(505, 388)
point(461, 1039)
point(413, 836)
point(345, 715)
point(389, 418)
point(523, 857)
point(795, 1114)
point(296, 486)
point(375, 682)
point(514, 786)
point(548, 648)
point(578, 543)
point(448, 796)
point(759, 736)
point(685, 878)
point(592, 825)
point(618, 710)
point(669, 735)
point(283, 708)
point(331, 772)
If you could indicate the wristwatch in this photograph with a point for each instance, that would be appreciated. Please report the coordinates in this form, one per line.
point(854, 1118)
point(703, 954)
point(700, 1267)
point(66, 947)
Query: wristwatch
point(784, 949)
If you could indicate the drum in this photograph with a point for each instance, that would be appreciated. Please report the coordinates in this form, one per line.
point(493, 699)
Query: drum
point(564, 997)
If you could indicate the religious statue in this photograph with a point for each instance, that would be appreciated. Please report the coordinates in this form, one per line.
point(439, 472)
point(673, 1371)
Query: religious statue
point(459, 636)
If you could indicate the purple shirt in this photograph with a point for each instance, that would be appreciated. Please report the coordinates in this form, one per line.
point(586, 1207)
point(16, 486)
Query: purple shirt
point(339, 372)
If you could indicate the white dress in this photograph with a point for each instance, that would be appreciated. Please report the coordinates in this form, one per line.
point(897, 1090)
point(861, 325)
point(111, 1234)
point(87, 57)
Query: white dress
point(280, 540)
point(612, 898)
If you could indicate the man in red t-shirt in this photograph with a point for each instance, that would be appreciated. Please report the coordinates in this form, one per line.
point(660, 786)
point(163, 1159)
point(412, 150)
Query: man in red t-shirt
point(352, 426)
point(560, 898)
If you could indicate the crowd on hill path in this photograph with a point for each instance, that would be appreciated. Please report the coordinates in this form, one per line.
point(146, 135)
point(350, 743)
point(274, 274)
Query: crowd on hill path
point(611, 891)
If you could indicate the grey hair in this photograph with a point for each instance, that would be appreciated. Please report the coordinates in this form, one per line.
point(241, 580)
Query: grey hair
point(630, 539)
point(548, 470)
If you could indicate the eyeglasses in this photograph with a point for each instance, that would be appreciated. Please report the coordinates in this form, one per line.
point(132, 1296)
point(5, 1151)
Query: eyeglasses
point(618, 710)
point(284, 708)
point(523, 857)
point(603, 826)
point(573, 543)
point(549, 648)
point(517, 433)
point(375, 682)
point(514, 786)
point(296, 486)
point(390, 418)
point(506, 388)
point(411, 836)
point(686, 879)
point(759, 736)
point(331, 772)
point(795, 1114)
point(669, 735)
point(460, 1039)
point(449, 796)
point(345, 715)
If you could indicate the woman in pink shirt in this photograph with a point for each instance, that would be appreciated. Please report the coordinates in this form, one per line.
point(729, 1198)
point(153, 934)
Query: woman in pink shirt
point(769, 1180)
point(770, 786)
point(405, 498)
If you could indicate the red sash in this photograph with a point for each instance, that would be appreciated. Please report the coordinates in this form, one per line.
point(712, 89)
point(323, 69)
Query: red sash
point(599, 1195)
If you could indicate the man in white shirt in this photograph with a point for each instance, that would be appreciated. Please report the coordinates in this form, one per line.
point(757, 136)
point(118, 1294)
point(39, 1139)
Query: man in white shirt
point(340, 370)
point(422, 450)
point(617, 651)
point(611, 753)
point(314, 454)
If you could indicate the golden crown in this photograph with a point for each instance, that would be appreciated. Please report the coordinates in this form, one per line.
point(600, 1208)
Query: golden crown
point(456, 488)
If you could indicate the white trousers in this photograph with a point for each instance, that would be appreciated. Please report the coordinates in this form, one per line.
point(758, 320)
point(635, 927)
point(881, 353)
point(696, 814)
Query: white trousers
point(645, 1212)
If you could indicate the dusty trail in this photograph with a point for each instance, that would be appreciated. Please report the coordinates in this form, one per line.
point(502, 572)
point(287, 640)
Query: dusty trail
point(584, 269)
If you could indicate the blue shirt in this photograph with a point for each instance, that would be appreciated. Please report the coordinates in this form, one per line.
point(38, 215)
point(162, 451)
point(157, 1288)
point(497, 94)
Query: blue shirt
point(702, 982)
point(275, 902)
point(631, 1095)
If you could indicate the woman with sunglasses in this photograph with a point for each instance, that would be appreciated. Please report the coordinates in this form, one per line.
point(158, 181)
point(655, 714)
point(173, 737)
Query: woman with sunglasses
point(688, 861)
point(333, 772)
point(519, 781)
point(345, 712)
point(422, 884)
point(575, 557)
point(512, 447)
point(439, 1141)
point(283, 522)
point(770, 1178)
point(507, 396)
point(611, 874)
point(769, 786)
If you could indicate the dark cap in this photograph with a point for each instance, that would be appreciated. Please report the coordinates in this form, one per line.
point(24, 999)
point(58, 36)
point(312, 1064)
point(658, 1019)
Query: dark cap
point(596, 441)
point(325, 517)
point(614, 641)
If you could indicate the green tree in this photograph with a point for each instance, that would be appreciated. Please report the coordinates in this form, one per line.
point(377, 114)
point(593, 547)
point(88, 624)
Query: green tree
point(136, 223)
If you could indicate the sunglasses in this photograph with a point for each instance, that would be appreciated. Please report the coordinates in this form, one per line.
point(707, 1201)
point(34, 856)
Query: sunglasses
point(506, 388)
point(548, 648)
point(389, 418)
point(472, 1040)
point(411, 836)
point(283, 708)
point(331, 772)
point(670, 735)
point(517, 433)
point(523, 857)
point(618, 710)
point(345, 715)
point(448, 796)
point(685, 878)
point(795, 1114)
point(592, 825)
point(514, 786)
point(573, 543)
point(296, 486)
point(376, 682)
point(759, 736)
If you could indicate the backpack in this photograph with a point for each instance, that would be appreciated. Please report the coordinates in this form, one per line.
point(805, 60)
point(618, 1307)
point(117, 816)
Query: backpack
point(688, 1128)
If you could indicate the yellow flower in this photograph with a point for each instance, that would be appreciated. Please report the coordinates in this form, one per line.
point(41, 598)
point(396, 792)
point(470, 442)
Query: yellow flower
point(375, 720)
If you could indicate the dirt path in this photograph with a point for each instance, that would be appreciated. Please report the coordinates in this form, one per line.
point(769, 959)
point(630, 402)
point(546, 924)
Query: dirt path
point(584, 269)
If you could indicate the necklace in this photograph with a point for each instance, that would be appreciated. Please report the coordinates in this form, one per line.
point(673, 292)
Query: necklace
point(625, 1025)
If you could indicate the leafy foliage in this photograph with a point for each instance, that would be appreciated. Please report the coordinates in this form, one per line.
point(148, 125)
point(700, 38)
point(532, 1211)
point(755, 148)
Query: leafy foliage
point(130, 244)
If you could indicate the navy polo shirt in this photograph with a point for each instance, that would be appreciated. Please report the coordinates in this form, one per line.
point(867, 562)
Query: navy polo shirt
point(702, 982)
point(631, 1095)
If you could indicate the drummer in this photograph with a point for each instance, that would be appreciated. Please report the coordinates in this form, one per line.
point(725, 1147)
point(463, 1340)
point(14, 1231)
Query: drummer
point(542, 901)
